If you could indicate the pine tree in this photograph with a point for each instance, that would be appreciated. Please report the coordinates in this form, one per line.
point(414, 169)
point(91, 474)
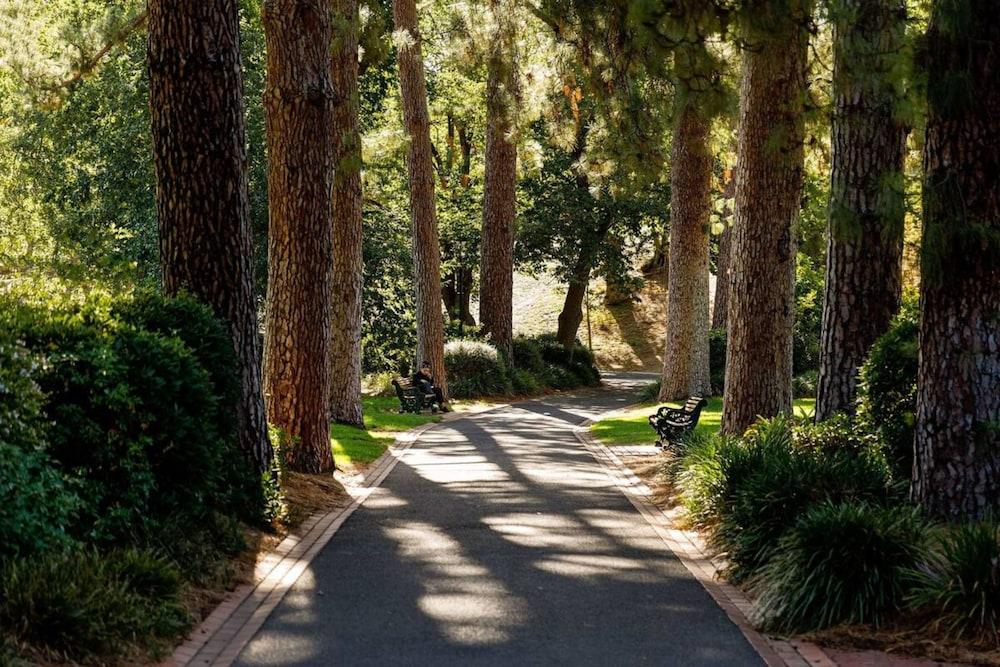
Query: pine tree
point(957, 448)
point(199, 151)
point(299, 103)
point(419, 161)
point(865, 246)
point(685, 355)
point(496, 282)
point(348, 263)
point(768, 189)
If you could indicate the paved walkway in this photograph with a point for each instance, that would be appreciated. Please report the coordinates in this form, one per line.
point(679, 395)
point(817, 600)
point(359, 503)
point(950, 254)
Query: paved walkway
point(499, 540)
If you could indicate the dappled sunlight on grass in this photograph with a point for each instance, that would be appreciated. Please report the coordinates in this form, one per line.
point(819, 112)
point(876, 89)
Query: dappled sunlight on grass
point(353, 446)
point(632, 428)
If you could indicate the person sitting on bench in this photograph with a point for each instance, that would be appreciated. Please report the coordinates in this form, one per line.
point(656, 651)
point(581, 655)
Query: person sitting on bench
point(424, 381)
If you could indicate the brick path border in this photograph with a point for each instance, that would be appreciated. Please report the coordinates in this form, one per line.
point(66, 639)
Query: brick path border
point(223, 634)
point(690, 550)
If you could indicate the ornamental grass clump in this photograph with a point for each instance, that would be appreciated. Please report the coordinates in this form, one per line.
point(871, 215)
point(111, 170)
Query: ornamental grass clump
point(957, 585)
point(840, 563)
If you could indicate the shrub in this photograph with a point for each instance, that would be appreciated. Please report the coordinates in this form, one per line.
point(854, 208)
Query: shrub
point(475, 369)
point(887, 391)
point(85, 604)
point(840, 563)
point(804, 385)
point(749, 491)
point(958, 584)
point(576, 360)
point(699, 477)
point(39, 508)
point(133, 418)
point(836, 434)
point(201, 332)
point(528, 356)
point(523, 382)
point(717, 360)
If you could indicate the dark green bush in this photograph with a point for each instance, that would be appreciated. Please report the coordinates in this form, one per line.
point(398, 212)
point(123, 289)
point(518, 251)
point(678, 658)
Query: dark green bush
point(528, 356)
point(84, 604)
point(132, 417)
point(887, 390)
point(38, 507)
point(523, 383)
point(194, 324)
point(717, 360)
point(475, 369)
point(576, 360)
point(748, 491)
point(836, 434)
point(958, 584)
point(840, 563)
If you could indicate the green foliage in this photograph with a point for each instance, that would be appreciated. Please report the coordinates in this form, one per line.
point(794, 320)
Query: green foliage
point(193, 323)
point(86, 605)
point(39, 507)
point(958, 583)
point(887, 390)
point(749, 491)
point(576, 360)
point(475, 369)
point(717, 360)
point(131, 414)
point(841, 563)
point(808, 316)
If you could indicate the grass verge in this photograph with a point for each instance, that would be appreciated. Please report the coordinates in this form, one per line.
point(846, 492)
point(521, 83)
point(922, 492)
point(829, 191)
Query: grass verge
point(632, 428)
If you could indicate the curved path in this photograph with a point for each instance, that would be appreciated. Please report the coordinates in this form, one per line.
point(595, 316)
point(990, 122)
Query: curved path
point(497, 539)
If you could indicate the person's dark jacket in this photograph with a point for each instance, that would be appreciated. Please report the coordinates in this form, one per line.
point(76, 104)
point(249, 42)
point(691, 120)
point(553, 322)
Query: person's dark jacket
point(425, 382)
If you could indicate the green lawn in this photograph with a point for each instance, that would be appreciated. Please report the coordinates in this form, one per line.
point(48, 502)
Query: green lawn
point(632, 427)
point(354, 446)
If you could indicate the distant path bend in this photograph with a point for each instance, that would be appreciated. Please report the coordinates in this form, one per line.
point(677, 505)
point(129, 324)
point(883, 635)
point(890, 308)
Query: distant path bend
point(499, 540)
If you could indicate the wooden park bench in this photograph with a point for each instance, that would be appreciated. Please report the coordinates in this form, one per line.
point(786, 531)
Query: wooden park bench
point(673, 424)
point(412, 398)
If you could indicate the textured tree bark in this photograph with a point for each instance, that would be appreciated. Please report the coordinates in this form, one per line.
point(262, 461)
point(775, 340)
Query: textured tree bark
point(685, 356)
point(865, 246)
point(426, 250)
point(348, 263)
point(202, 203)
point(496, 282)
point(299, 102)
point(723, 279)
point(957, 444)
point(768, 188)
point(572, 311)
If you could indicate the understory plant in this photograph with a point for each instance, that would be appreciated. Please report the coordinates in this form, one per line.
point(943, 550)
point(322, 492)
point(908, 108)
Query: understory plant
point(957, 585)
point(842, 562)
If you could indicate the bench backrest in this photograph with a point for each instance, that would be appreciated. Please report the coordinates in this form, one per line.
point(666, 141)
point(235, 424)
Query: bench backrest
point(693, 404)
point(404, 385)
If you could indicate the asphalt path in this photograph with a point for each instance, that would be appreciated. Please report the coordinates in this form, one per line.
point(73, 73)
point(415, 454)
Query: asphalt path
point(498, 540)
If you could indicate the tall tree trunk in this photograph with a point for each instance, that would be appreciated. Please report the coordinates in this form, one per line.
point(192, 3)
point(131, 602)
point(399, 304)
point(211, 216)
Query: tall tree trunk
point(496, 283)
point(685, 357)
point(723, 279)
point(202, 203)
point(299, 105)
point(865, 247)
point(957, 463)
point(768, 187)
point(426, 250)
point(348, 264)
point(572, 311)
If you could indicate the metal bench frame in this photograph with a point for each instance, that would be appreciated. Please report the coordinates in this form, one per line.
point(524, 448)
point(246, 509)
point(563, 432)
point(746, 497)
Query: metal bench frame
point(673, 424)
